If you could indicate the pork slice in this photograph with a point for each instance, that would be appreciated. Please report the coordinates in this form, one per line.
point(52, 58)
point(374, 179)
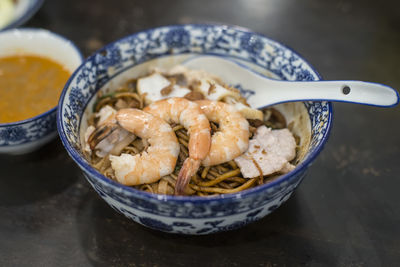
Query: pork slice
point(269, 152)
point(107, 144)
point(106, 115)
point(278, 142)
point(287, 168)
point(88, 132)
point(257, 158)
point(151, 86)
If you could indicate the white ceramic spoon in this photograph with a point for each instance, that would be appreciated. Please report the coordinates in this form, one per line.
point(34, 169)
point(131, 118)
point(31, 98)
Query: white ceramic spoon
point(270, 91)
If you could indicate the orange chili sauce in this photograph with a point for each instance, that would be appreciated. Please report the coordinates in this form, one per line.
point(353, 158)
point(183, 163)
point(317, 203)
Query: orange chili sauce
point(29, 86)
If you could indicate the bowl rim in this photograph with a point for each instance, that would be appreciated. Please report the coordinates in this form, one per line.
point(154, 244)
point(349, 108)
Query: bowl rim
point(29, 12)
point(127, 190)
point(62, 38)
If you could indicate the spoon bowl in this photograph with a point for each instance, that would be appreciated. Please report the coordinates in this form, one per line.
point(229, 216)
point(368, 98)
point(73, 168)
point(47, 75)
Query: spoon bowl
point(271, 92)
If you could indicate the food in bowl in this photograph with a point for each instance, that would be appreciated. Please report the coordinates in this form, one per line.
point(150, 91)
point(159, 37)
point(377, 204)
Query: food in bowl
point(14, 13)
point(29, 85)
point(6, 12)
point(165, 47)
point(231, 147)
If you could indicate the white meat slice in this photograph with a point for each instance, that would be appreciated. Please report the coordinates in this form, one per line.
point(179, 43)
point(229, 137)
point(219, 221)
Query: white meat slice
point(106, 114)
point(287, 168)
point(269, 151)
point(248, 112)
point(88, 132)
point(218, 92)
point(278, 142)
point(152, 85)
point(192, 75)
point(178, 91)
point(104, 147)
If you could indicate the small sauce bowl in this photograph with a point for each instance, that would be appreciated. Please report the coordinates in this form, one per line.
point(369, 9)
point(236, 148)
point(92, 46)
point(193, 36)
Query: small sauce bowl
point(27, 135)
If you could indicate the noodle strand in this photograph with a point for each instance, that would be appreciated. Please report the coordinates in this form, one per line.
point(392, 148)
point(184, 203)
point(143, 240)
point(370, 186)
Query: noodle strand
point(217, 190)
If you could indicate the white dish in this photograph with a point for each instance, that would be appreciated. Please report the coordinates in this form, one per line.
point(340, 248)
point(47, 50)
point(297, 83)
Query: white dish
point(15, 14)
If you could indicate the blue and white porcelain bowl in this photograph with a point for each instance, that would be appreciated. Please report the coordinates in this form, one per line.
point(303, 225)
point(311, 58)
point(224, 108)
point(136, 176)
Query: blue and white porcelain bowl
point(27, 135)
point(168, 46)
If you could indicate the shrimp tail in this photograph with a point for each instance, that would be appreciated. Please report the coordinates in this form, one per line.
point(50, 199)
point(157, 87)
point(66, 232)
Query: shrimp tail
point(189, 168)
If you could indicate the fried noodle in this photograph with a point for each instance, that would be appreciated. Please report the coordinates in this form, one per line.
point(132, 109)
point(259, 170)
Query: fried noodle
point(220, 179)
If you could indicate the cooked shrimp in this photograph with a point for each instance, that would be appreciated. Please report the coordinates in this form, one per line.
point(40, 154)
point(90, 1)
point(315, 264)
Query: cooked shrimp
point(188, 114)
point(159, 159)
point(232, 139)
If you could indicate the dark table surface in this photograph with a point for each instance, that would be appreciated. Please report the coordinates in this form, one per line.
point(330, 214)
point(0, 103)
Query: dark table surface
point(345, 213)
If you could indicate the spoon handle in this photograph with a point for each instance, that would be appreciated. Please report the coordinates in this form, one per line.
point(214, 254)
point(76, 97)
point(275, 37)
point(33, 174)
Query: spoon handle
point(366, 93)
point(269, 91)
